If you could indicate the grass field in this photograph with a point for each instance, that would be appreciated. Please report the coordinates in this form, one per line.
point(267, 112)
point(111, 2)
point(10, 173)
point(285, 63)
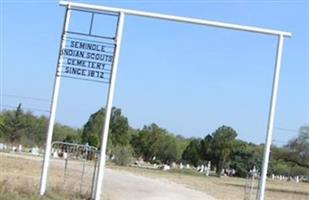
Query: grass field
point(19, 179)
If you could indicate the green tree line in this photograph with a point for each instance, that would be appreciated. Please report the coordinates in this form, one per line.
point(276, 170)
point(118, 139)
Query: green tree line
point(157, 145)
point(20, 127)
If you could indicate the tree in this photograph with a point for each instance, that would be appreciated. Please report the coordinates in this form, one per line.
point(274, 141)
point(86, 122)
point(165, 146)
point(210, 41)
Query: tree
point(35, 130)
point(1, 126)
point(222, 143)
point(171, 150)
point(206, 148)
point(93, 140)
point(14, 125)
point(153, 141)
point(93, 128)
point(244, 156)
point(119, 129)
point(297, 150)
point(66, 134)
point(149, 141)
point(25, 128)
point(192, 153)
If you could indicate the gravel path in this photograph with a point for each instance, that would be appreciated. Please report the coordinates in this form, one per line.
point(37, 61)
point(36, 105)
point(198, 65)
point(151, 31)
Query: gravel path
point(121, 185)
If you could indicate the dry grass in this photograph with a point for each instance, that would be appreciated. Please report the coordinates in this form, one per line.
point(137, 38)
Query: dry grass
point(225, 188)
point(19, 180)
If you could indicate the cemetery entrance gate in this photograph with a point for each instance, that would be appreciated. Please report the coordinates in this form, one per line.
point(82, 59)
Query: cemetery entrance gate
point(105, 55)
point(79, 165)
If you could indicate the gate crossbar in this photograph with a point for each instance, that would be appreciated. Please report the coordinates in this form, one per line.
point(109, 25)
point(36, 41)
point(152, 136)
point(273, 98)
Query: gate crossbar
point(104, 9)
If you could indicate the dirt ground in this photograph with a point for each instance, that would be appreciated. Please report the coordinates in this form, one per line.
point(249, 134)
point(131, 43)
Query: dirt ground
point(19, 179)
point(22, 173)
point(228, 188)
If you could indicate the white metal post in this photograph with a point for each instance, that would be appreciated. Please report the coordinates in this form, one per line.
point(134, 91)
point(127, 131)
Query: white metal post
point(53, 107)
point(110, 98)
point(271, 117)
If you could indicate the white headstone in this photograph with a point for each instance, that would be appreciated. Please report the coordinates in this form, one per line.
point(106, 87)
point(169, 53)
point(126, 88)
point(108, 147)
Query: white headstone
point(166, 167)
point(254, 169)
point(55, 154)
point(180, 166)
point(207, 171)
point(208, 168)
point(222, 172)
point(65, 155)
point(20, 148)
point(187, 166)
point(202, 168)
point(35, 151)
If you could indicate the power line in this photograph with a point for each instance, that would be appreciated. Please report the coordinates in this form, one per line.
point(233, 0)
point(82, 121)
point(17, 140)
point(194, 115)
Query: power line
point(27, 108)
point(25, 97)
point(279, 141)
point(287, 130)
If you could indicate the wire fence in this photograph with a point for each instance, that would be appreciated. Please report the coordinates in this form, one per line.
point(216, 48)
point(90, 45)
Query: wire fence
point(72, 170)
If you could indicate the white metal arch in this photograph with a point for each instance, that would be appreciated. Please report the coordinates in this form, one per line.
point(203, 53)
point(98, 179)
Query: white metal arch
point(121, 13)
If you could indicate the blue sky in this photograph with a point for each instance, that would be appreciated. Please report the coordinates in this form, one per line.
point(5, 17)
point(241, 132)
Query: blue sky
point(188, 79)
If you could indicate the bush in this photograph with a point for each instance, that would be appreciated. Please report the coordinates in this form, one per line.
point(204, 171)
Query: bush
point(122, 155)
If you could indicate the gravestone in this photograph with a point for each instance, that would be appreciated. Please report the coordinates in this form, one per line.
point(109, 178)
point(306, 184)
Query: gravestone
point(35, 151)
point(20, 148)
point(297, 179)
point(65, 155)
point(208, 168)
point(55, 154)
point(202, 169)
point(166, 167)
point(223, 172)
point(14, 148)
point(180, 166)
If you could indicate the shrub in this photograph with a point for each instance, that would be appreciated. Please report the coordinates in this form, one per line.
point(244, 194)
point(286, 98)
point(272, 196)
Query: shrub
point(122, 155)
